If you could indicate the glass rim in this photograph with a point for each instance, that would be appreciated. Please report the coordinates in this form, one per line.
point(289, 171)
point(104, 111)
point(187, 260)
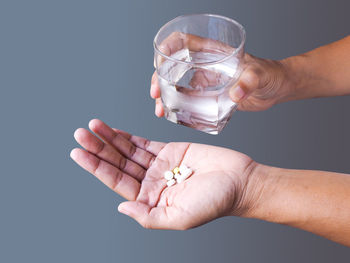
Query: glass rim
point(231, 54)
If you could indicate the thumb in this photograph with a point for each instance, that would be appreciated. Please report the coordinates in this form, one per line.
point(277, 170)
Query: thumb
point(145, 215)
point(136, 210)
point(247, 83)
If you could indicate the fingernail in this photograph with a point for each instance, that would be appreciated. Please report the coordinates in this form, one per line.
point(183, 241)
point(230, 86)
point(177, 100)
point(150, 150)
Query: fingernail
point(73, 154)
point(122, 210)
point(237, 94)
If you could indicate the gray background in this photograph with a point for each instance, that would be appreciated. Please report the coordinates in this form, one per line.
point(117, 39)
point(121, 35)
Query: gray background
point(65, 62)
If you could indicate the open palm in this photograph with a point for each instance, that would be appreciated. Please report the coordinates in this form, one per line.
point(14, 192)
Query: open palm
point(133, 167)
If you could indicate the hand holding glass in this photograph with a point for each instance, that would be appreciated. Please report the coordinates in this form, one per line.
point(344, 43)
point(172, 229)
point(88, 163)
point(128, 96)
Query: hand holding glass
point(197, 59)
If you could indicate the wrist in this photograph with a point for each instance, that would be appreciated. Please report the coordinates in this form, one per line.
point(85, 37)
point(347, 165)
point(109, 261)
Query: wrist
point(293, 78)
point(263, 195)
point(253, 189)
point(275, 195)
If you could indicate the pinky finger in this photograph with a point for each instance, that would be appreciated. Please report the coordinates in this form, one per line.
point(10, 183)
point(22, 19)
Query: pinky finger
point(125, 185)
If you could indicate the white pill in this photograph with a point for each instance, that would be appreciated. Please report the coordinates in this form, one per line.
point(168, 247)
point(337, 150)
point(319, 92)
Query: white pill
point(186, 173)
point(177, 176)
point(168, 175)
point(180, 179)
point(183, 168)
point(171, 182)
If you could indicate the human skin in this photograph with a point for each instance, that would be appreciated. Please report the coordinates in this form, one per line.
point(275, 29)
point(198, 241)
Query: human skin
point(322, 72)
point(232, 185)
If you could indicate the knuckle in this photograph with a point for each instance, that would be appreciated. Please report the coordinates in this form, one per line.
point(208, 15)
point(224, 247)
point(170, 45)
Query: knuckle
point(151, 161)
point(250, 78)
point(95, 170)
point(132, 150)
point(141, 174)
point(100, 149)
point(118, 178)
point(122, 163)
point(146, 144)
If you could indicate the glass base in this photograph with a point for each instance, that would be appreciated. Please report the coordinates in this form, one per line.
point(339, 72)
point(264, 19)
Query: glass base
point(188, 120)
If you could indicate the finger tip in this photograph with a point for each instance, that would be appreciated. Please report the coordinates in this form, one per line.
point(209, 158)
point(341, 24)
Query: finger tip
point(74, 153)
point(122, 209)
point(94, 123)
point(157, 111)
point(78, 132)
point(160, 115)
point(152, 93)
point(155, 92)
point(161, 112)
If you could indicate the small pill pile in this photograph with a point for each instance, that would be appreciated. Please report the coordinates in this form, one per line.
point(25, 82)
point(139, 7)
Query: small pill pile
point(177, 175)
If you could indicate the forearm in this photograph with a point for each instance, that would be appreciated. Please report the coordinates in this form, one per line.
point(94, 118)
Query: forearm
point(322, 72)
point(315, 201)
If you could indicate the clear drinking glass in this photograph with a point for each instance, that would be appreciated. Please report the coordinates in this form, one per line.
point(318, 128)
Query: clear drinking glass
point(198, 58)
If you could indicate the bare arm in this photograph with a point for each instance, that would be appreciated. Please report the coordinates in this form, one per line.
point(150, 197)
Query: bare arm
point(322, 72)
point(233, 184)
point(315, 201)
